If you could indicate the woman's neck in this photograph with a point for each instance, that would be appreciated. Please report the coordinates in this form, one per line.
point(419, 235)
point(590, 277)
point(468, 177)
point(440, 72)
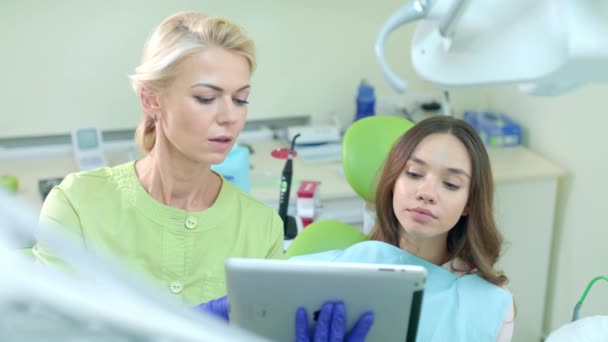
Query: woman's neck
point(432, 249)
point(176, 181)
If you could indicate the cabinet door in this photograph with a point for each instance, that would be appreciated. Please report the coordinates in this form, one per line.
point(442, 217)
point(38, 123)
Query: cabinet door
point(524, 214)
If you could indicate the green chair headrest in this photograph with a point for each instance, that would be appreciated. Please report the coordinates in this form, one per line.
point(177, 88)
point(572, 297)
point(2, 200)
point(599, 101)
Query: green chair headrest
point(366, 144)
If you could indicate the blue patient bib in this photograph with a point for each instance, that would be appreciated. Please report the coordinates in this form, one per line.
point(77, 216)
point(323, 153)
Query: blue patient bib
point(466, 308)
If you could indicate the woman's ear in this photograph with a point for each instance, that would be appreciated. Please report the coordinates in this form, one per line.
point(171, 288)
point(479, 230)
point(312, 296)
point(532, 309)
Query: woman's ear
point(149, 102)
point(465, 211)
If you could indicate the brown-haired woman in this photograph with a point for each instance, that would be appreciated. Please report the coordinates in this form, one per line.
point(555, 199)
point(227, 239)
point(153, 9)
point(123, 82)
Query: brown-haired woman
point(434, 207)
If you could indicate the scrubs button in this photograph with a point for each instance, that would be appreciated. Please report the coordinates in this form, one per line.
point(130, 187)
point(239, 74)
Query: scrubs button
point(176, 286)
point(191, 222)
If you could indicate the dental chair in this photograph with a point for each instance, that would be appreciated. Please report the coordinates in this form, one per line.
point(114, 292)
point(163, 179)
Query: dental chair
point(365, 145)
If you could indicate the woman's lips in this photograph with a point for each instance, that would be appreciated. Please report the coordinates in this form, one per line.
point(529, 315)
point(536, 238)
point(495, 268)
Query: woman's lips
point(221, 142)
point(422, 215)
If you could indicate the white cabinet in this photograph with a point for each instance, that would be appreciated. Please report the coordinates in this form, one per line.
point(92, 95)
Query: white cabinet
point(525, 198)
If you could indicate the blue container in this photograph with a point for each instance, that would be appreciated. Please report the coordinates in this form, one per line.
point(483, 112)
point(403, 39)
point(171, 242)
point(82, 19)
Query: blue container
point(366, 101)
point(235, 168)
point(495, 129)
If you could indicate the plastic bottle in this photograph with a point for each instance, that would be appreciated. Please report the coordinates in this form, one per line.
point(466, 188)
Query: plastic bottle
point(235, 168)
point(366, 100)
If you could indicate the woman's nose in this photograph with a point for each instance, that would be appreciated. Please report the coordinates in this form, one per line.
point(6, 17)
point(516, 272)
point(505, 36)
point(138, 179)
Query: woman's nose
point(227, 113)
point(426, 192)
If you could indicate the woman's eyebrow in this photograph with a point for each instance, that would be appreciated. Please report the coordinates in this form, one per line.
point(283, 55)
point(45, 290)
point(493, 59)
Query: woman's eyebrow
point(454, 170)
point(458, 171)
point(220, 89)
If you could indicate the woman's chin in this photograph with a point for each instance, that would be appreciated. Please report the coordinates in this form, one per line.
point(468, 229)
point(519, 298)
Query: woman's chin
point(418, 232)
point(210, 158)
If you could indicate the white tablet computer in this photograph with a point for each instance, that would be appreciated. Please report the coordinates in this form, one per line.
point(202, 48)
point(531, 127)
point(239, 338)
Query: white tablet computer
point(264, 295)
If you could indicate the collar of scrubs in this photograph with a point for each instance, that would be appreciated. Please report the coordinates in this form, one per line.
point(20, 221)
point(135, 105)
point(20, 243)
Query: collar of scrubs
point(454, 308)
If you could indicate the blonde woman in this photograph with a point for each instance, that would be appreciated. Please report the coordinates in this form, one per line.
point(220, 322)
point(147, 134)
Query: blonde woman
point(168, 215)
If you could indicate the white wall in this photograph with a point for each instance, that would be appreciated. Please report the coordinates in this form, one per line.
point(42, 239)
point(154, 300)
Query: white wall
point(65, 62)
point(570, 130)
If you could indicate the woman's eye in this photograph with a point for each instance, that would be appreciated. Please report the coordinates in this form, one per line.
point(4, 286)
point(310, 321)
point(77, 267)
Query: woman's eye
point(451, 186)
point(413, 175)
point(240, 102)
point(204, 100)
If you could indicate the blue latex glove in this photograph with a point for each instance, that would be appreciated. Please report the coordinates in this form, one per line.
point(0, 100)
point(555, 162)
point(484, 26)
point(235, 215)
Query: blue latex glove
point(218, 307)
point(331, 325)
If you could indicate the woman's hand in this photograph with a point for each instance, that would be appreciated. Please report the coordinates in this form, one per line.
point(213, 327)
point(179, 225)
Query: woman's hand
point(331, 325)
point(217, 307)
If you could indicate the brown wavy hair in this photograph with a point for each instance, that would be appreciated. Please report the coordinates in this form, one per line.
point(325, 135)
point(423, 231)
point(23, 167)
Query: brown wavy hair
point(475, 238)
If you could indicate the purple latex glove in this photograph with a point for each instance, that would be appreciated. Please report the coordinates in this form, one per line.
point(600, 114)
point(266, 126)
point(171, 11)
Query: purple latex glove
point(217, 307)
point(331, 325)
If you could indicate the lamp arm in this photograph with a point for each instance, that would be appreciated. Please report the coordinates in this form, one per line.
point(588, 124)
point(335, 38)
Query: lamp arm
point(412, 11)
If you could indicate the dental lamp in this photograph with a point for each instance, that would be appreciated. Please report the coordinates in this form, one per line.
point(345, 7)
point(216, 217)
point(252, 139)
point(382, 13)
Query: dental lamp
point(547, 47)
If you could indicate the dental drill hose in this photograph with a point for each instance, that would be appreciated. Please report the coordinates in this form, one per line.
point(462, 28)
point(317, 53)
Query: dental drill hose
point(577, 307)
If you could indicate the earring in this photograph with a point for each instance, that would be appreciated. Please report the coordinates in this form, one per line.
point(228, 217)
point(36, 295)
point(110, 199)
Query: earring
point(155, 117)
